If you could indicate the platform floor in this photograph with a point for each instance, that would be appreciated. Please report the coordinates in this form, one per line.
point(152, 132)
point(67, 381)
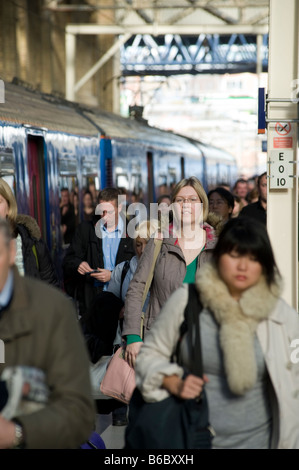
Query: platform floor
point(113, 436)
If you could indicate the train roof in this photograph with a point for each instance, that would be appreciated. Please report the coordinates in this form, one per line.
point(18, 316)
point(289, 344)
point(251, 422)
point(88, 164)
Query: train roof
point(210, 151)
point(24, 106)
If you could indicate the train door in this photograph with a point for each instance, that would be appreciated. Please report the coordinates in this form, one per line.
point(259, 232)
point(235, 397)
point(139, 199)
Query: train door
point(37, 186)
point(150, 177)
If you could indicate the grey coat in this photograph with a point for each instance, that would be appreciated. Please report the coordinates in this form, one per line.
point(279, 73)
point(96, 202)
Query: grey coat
point(169, 273)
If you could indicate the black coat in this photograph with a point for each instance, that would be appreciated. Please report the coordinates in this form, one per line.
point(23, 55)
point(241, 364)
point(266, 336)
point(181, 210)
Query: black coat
point(36, 256)
point(256, 211)
point(86, 246)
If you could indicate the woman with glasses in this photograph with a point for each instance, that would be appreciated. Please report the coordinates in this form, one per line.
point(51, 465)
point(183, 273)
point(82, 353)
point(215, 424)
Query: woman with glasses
point(182, 253)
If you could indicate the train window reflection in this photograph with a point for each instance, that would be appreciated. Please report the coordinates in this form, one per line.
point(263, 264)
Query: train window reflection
point(68, 165)
point(136, 184)
point(68, 182)
point(172, 177)
point(7, 165)
point(89, 165)
point(122, 181)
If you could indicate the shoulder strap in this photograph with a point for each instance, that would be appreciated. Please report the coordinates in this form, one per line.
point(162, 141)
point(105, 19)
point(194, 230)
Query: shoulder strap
point(158, 244)
point(125, 269)
point(191, 326)
point(192, 311)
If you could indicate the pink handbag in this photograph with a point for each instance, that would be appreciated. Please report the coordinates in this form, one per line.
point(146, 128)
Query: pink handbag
point(119, 380)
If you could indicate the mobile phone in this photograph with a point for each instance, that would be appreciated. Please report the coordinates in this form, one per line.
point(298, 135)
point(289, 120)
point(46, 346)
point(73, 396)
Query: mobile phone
point(91, 272)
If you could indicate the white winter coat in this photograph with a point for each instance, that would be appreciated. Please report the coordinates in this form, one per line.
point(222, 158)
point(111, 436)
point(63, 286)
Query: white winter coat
point(275, 335)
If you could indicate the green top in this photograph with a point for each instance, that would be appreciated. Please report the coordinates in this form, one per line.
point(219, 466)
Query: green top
point(189, 279)
point(133, 339)
point(190, 272)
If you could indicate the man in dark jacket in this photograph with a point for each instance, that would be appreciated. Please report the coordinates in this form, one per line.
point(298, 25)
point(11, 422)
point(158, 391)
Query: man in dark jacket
point(38, 329)
point(258, 210)
point(97, 246)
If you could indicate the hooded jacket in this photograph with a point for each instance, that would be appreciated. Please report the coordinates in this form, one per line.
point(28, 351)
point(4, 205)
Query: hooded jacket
point(169, 273)
point(276, 326)
point(36, 256)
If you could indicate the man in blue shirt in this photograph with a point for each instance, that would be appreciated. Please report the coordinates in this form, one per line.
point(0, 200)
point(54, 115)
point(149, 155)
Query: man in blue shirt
point(97, 247)
point(110, 229)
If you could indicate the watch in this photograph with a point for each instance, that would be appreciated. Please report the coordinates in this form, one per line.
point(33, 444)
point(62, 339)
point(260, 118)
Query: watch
point(19, 436)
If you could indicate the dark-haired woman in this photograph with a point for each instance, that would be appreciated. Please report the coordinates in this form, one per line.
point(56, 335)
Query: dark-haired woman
point(247, 330)
point(221, 202)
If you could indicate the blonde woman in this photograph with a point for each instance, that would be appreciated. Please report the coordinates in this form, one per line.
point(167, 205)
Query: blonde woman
point(189, 247)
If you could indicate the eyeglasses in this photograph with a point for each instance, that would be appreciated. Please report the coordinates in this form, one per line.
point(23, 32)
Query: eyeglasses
point(217, 202)
point(191, 200)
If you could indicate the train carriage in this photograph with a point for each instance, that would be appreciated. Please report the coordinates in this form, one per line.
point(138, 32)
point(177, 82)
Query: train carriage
point(47, 143)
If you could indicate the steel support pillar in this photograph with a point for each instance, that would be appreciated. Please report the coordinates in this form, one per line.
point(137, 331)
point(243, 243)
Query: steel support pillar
point(282, 118)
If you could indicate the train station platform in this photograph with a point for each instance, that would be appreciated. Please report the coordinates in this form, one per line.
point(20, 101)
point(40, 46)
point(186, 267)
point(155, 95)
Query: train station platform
point(113, 436)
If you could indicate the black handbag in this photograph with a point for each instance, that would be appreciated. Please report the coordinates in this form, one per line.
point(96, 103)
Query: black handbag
point(173, 423)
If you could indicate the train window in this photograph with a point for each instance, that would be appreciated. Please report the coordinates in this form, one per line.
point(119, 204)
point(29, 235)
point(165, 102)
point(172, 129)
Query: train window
point(162, 180)
point(136, 186)
point(172, 177)
point(90, 179)
point(70, 182)
point(7, 165)
point(89, 166)
point(135, 167)
point(68, 165)
point(162, 187)
point(122, 181)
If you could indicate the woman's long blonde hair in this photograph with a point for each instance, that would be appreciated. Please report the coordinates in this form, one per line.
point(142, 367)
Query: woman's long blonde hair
point(7, 194)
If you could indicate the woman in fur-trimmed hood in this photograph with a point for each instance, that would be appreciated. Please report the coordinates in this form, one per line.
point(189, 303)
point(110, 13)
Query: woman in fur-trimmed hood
point(33, 257)
point(182, 252)
point(248, 337)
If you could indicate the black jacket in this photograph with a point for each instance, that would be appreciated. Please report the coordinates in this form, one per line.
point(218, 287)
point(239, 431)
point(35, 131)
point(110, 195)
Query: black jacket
point(86, 246)
point(36, 256)
point(256, 211)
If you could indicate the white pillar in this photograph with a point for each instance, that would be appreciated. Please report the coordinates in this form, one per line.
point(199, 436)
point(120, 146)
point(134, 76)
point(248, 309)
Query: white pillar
point(282, 210)
point(70, 71)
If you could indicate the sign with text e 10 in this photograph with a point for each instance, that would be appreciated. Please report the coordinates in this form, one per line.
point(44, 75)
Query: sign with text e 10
point(281, 169)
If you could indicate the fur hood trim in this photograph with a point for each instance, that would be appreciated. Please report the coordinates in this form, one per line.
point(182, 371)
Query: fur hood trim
point(238, 322)
point(216, 222)
point(31, 225)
